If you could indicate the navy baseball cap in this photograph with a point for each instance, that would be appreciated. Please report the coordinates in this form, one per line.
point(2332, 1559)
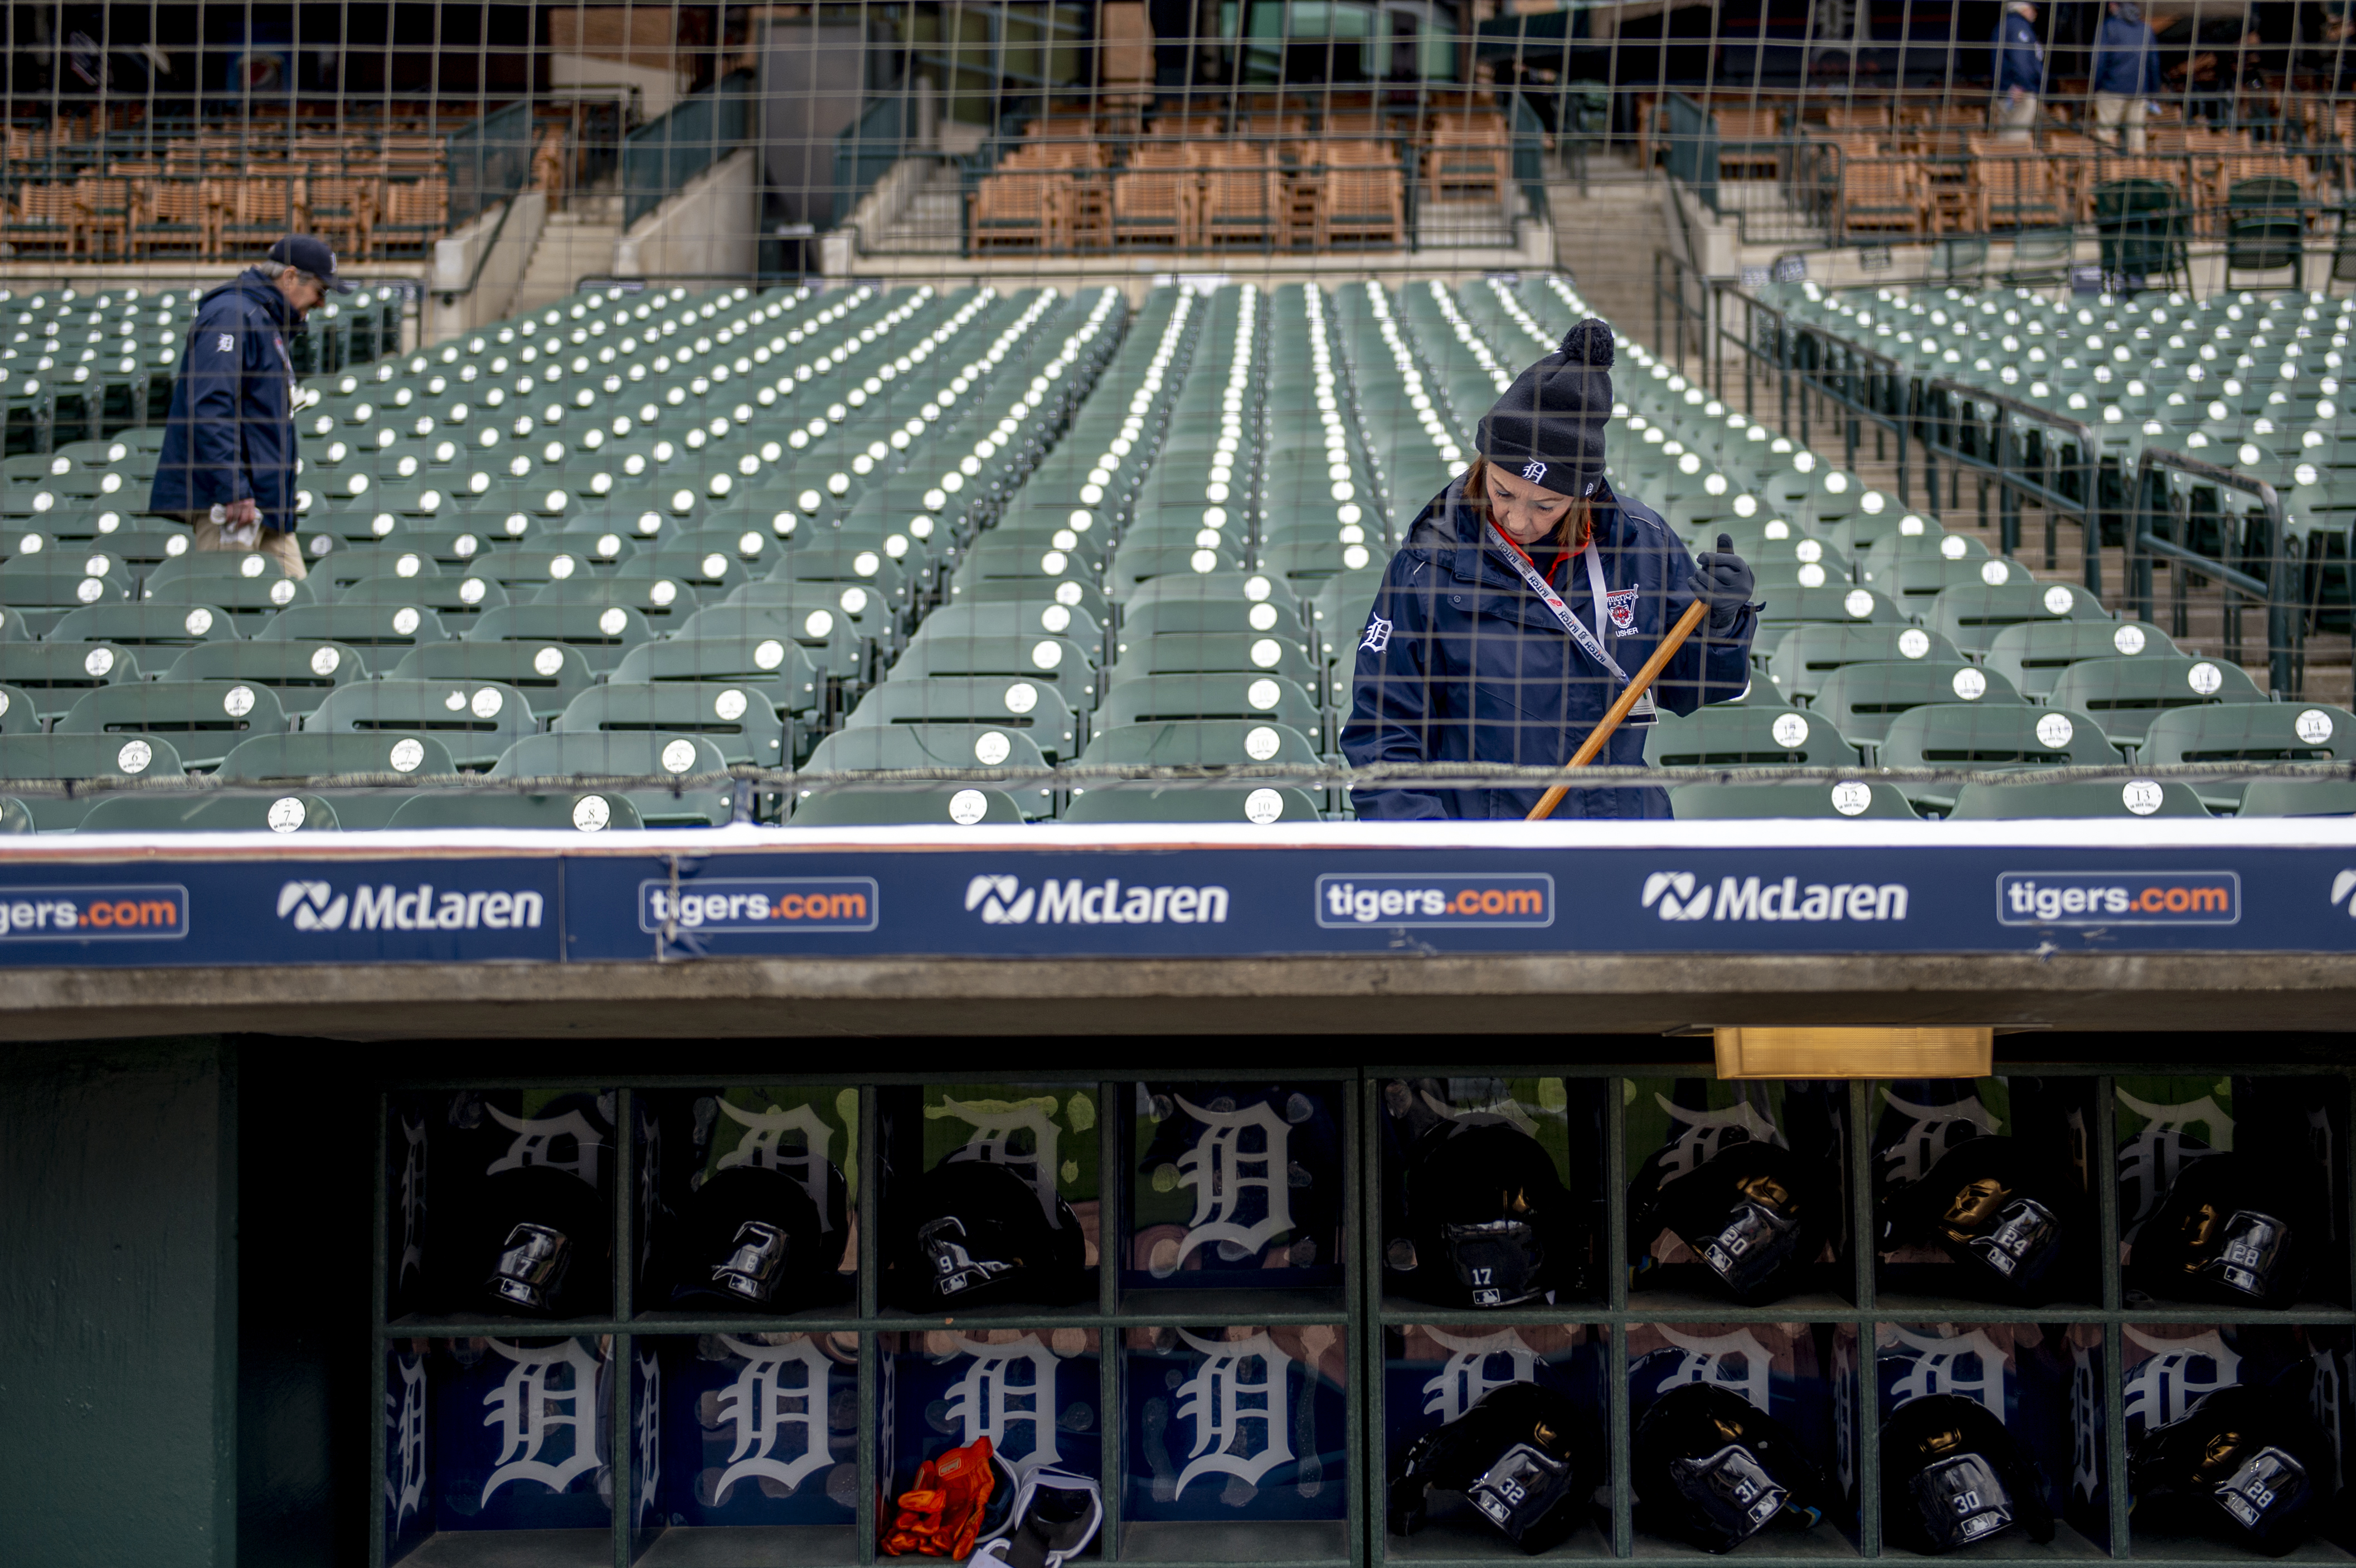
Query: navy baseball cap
point(305, 254)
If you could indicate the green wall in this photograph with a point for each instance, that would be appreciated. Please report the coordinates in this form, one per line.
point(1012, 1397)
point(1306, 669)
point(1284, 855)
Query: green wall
point(118, 1304)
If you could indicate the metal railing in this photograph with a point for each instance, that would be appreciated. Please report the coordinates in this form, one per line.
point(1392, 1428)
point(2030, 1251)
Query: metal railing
point(2022, 454)
point(2264, 547)
point(490, 160)
point(660, 157)
point(2016, 456)
point(883, 133)
point(1824, 192)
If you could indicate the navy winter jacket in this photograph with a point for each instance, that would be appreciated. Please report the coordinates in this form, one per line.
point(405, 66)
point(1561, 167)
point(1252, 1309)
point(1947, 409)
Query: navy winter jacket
point(1459, 661)
point(2019, 59)
point(230, 434)
point(2127, 60)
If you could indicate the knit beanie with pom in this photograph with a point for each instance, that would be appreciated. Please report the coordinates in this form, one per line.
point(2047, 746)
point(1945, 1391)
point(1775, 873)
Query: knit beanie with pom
point(1548, 427)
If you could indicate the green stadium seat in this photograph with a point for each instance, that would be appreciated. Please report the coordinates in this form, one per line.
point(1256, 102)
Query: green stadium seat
point(2247, 732)
point(860, 565)
point(40, 593)
point(2125, 696)
point(776, 665)
point(1025, 706)
point(50, 676)
point(1088, 551)
point(141, 549)
point(1152, 699)
point(1846, 799)
point(549, 675)
point(300, 674)
point(1882, 563)
point(1970, 615)
point(1971, 734)
point(2298, 798)
point(712, 573)
point(143, 625)
point(77, 757)
point(1747, 736)
point(1213, 652)
point(2017, 803)
point(964, 806)
point(567, 812)
point(603, 633)
point(1011, 617)
point(664, 603)
point(16, 817)
point(201, 719)
point(477, 720)
point(213, 812)
point(1247, 587)
point(1133, 566)
point(1860, 699)
point(458, 600)
point(306, 755)
point(252, 602)
point(1070, 592)
point(523, 569)
point(902, 746)
point(354, 625)
point(1050, 661)
point(1835, 602)
point(1202, 743)
point(651, 753)
point(1142, 803)
point(737, 719)
point(339, 569)
point(1804, 655)
point(19, 712)
point(2032, 654)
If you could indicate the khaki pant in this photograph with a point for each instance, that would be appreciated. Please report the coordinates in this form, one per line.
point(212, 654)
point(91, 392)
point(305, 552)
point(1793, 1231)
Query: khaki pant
point(2014, 117)
point(2118, 121)
point(279, 547)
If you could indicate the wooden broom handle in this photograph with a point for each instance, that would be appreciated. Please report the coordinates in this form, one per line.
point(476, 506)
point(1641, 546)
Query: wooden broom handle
point(1619, 709)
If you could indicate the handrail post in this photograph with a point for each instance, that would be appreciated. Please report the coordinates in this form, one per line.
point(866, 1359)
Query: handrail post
point(2090, 477)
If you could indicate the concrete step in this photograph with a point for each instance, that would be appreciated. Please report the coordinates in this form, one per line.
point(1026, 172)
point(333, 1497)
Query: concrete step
point(573, 245)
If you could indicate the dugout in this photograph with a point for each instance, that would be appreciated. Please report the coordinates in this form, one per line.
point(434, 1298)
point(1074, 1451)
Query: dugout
point(225, 1293)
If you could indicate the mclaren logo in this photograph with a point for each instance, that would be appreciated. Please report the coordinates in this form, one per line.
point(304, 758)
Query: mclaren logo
point(1004, 901)
point(318, 907)
point(1681, 895)
point(313, 906)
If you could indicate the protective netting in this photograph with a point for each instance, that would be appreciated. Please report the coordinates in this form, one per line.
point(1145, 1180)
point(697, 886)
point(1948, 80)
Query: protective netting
point(1071, 414)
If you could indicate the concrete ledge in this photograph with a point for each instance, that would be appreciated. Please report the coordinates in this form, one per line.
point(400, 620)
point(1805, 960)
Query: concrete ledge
point(1371, 996)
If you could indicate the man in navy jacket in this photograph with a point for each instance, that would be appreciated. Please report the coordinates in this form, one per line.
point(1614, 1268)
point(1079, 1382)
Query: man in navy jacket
point(1465, 659)
point(226, 466)
point(2019, 70)
point(2127, 74)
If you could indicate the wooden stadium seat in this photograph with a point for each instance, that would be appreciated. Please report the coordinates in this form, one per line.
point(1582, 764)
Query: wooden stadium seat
point(1880, 196)
point(1240, 195)
point(1019, 209)
point(1157, 199)
point(1362, 198)
point(1468, 161)
point(43, 217)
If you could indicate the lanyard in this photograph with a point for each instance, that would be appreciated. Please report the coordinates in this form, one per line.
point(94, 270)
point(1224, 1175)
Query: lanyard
point(1644, 713)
